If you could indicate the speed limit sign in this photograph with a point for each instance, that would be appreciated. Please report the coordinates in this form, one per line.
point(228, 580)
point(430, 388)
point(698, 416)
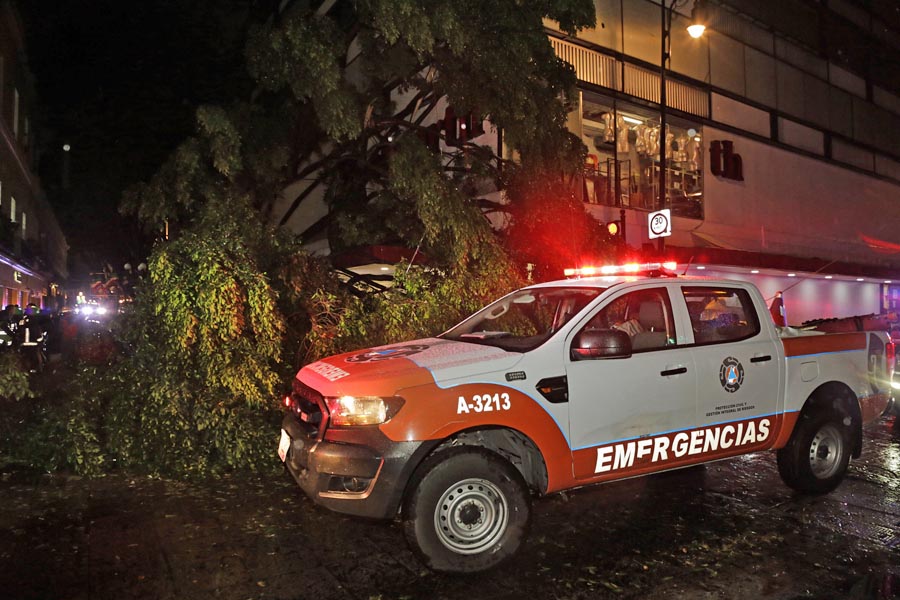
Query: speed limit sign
point(660, 223)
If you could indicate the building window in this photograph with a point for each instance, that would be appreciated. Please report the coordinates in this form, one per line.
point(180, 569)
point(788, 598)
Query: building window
point(12, 209)
point(623, 158)
point(15, 122)
point(24, 223)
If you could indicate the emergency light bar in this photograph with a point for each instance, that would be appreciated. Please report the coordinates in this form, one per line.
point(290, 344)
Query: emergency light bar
point(626, 269)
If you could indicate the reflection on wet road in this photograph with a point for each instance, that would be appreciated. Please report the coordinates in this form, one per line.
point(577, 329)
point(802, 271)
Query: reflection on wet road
point(727, 530)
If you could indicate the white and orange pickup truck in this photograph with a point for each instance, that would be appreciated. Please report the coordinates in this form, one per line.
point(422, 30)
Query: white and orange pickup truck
point(569, 383)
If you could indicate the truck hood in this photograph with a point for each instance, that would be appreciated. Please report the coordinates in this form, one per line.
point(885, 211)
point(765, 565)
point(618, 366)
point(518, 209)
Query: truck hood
point(384, 370)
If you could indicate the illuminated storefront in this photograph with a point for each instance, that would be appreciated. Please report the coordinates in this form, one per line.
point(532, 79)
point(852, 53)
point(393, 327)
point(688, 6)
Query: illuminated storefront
point(781, 164)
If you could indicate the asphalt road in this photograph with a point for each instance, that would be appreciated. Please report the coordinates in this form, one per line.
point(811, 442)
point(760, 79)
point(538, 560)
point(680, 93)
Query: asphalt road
point(728, 530)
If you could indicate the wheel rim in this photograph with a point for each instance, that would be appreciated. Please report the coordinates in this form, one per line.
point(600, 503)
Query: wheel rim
point(471, 516)
point(826, 451)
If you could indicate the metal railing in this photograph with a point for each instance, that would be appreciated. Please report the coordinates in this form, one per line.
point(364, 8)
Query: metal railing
point(600, 69)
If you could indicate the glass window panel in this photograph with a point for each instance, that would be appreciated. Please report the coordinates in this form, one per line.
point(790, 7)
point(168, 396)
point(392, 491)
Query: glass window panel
point(645, 315)
point(720, 314)
point(760, 76)
point(623, 158)
point(688, 56)
point(727, 62)
point(642, 30)
point(608, 32)
point(790, 89)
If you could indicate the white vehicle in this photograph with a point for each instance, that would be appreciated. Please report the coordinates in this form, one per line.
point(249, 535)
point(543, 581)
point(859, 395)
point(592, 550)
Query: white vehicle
point(569, 383)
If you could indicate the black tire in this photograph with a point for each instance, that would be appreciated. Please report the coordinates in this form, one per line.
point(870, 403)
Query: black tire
point(467, 510)
point(816, 457)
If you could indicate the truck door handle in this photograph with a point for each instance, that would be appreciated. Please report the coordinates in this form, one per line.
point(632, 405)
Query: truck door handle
point(759, 359)
point(675, 371)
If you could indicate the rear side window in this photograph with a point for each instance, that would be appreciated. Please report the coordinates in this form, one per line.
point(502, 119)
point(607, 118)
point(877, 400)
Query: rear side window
point(720, 314)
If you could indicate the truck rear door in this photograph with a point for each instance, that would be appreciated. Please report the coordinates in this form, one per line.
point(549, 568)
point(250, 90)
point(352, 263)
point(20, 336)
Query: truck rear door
point(739, 362)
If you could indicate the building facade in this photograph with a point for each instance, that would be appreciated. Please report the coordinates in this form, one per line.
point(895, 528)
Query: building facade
point(782, 158)
point(33, 250)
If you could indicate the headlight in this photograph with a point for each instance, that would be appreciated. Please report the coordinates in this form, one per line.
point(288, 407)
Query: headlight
point(101, 310)
point(87, 310)
point(361, 410)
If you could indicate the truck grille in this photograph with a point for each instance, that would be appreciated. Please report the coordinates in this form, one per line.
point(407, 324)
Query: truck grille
point(308, 405)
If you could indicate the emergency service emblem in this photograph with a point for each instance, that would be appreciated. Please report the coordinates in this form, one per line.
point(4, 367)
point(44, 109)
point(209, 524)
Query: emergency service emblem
point(731, 374)
point(387, 353)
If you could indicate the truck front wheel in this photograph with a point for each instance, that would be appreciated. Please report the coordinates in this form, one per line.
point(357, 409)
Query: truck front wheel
point(468, 511)
point(816, 458)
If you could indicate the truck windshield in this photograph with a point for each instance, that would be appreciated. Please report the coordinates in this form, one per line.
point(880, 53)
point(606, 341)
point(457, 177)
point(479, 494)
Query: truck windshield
point(525, 319)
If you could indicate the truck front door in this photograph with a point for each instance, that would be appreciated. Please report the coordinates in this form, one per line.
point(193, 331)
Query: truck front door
point(616, 401)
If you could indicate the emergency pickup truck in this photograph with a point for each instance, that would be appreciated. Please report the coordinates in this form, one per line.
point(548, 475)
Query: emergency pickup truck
point(569, 383)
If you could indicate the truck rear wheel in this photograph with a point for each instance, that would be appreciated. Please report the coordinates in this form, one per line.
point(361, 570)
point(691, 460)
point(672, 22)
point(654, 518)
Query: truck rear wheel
point(468, 511)
point(816, 458)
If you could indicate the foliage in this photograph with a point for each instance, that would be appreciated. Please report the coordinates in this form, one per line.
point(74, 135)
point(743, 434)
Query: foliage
point(13, 378)
point(366, 78)
point(550, 228)
point(233, 305)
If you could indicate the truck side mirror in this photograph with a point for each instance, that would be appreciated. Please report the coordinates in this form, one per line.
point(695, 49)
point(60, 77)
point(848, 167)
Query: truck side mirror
point(605, 343)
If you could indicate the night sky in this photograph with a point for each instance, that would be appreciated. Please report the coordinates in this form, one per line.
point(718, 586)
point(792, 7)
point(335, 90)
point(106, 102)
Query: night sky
point(120, 82)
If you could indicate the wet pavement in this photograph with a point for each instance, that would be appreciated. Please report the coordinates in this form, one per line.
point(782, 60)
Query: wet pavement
point(727, 530)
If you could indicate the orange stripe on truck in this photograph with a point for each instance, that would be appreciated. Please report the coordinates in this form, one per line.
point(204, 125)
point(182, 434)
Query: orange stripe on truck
point(818, 344)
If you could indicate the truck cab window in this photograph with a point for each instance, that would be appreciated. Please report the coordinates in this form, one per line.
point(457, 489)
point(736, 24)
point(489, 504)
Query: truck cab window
point(645, 315)
point(720, 314)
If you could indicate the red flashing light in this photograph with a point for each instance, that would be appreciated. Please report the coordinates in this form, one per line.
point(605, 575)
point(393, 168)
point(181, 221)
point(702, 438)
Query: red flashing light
point(626, 269)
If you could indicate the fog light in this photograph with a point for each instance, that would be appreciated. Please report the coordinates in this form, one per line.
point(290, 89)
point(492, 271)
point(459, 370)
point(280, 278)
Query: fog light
point(350, 485)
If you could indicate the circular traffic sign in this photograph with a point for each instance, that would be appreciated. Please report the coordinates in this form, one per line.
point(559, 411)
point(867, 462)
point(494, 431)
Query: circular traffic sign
point(659, 224)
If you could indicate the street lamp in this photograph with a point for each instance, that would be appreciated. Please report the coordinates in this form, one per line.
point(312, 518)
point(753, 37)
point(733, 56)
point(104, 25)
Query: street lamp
point(695, 29)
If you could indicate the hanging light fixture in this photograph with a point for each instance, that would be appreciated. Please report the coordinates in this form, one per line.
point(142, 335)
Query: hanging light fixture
point(699, 19)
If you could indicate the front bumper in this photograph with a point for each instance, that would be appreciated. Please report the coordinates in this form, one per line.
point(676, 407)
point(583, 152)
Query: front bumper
point(355, 471)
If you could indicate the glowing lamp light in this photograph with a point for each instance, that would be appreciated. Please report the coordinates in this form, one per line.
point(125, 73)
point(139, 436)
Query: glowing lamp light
point(287, 400)
point(860, 279)
point(792, 274)
point(701, 268)
point(696, 30)
point(829, 277)
point(755, 271)
point(612, 228)
point(699, 19)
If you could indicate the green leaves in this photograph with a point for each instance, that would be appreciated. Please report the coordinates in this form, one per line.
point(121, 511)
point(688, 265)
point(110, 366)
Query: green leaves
point(233, 306)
